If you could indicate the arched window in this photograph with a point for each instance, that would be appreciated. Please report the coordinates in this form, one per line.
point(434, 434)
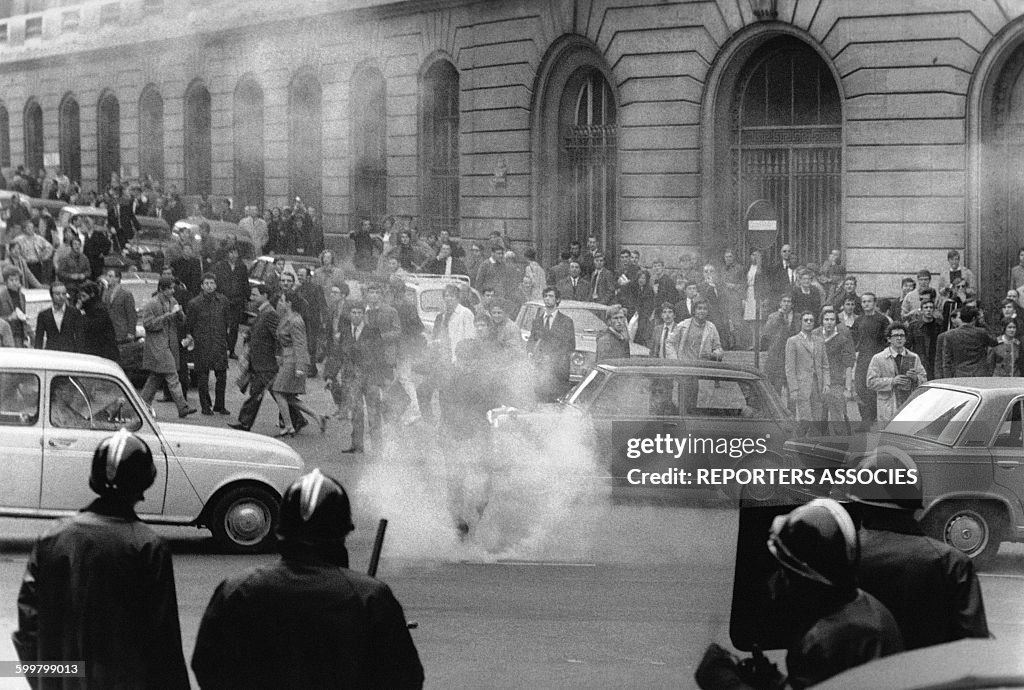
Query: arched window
point(108, 139)
point(151, 133)
point(439, 128)
point(198, 142)
point(248, 131)
point(369, 146)
point(33, 136)
point(70, 138)
point(304, 154)
point(5, 138)
point(587, 167)
point(786, 146)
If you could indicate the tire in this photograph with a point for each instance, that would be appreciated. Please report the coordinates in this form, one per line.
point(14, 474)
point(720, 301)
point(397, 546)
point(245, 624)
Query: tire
point(973, 527)
point(244, 520)
point(757, 494)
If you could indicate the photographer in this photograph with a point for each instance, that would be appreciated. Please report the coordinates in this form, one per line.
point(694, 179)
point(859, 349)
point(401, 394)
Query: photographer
point(894, 372)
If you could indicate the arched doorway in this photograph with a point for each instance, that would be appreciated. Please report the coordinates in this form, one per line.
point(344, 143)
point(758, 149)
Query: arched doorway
point(304, 140)
point(108, 139)
point(248, 131)
point(575, 150)
point(151, 133)
point(1002, 179)
point(33, 137)
point(369, 146)
point(779, 136)
point(439, 137)
point(69, 125)
point(198, 140)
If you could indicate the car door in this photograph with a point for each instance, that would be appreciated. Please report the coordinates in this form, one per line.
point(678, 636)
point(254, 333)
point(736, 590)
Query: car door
point(726, 417)
point(1008, 452)
point(81, 411)
point(21, 461)
point(633, 406)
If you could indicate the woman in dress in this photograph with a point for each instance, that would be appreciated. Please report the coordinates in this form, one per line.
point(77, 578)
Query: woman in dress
point(756, 284)
point(646, 301)
point(293, 362)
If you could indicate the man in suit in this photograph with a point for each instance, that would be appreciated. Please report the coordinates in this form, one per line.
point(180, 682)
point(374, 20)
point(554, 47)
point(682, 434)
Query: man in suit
point(121, 307)
point(363, 373)
point(384, 318)
point(778, 329)
point(262, 341)
point(552, 342)
point(446, 263)
point(122, 219)
point(575, 287)
point(663, 331)
point(602, 283)
point(965, 349)
point(188, 268)
point(691, 293)
point(57, 328)
point(233, 283)
point(782, 275)
point(587, 263)
point(662, 283)
point(807, 374)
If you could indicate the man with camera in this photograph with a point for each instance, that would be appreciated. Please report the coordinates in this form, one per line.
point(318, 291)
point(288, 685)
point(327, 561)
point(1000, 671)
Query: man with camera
point(894, 372)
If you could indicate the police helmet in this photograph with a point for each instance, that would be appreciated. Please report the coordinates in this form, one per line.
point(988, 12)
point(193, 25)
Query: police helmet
point(315, 509)
point(122, 466)
point(887, 478)
point(817, 541)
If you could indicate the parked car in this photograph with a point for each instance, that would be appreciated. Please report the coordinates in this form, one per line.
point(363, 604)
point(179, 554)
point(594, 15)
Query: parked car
point(55, 408)
point(153, 246)
point(624, 399)
point(588, 319)
point(68, 214)
point(221, 231)
point(965, 437)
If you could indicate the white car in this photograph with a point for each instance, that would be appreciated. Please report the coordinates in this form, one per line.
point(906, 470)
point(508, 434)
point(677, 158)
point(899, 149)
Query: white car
point(56, 407)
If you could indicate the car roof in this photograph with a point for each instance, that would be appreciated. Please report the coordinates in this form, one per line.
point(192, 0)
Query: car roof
point(37, 360)
point(676, 366)
point(570, 304)
point(981, 384)
point(84, 210)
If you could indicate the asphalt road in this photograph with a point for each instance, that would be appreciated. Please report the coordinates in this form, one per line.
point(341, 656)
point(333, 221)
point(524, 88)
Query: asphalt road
point(563, 589)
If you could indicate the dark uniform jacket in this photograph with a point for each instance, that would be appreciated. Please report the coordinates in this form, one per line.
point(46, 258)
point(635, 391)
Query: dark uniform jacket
point(930, 587)
point(305, 624)
point(854, 633)
point(99, 587)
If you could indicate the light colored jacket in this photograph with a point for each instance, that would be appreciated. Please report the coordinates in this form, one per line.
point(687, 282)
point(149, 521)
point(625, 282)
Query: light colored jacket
point(807, 373)
point(882, 371)
point(710, 342)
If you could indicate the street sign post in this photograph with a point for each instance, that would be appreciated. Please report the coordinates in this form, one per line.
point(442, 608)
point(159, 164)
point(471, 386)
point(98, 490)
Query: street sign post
point(762, 229)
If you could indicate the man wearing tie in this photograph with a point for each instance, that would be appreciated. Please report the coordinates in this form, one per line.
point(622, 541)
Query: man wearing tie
point(363, 373)
point(445, 264)
point(684, 307)
point(552, 342)
point(602, 287)
point(575, 287)
point(663, 330)
point(783, 274)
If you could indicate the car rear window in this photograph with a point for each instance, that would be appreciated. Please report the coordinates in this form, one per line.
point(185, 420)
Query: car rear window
point(585, 320)
point(935, 414)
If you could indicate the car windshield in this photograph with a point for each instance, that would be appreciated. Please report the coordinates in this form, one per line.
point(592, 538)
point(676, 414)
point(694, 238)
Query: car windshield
point(935, 414)
point(587, 389)
point(585, 320)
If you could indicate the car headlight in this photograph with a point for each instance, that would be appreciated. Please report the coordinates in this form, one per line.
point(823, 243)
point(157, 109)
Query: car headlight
point(578, 359)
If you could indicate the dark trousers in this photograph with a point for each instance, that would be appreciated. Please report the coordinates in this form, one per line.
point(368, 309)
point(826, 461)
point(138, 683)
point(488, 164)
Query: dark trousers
point(259, 382)
point(867, 402)
point(203, 374)
point(234, 316)
point(361, 391)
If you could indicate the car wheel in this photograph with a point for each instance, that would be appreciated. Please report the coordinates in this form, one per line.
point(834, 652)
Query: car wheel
point(971, 527)
point(752, 493)
point(244, 519)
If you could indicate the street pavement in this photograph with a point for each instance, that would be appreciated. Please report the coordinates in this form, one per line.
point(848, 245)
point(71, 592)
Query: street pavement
point(597, 596)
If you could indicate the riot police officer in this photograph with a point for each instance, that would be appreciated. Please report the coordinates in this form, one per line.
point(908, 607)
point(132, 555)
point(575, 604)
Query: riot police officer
point(99, 587)
point(930, 587)
point(307, 621)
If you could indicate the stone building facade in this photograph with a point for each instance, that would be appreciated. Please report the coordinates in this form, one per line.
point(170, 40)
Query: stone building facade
point(893, 130)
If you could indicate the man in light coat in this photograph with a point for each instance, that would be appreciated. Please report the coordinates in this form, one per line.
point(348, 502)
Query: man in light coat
point(894, 372)
point(695, 337)
point(161, 317)
point(807, 373)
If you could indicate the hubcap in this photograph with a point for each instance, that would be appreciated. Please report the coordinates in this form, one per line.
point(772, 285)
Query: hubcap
point(247, 522)
point(967, 532)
